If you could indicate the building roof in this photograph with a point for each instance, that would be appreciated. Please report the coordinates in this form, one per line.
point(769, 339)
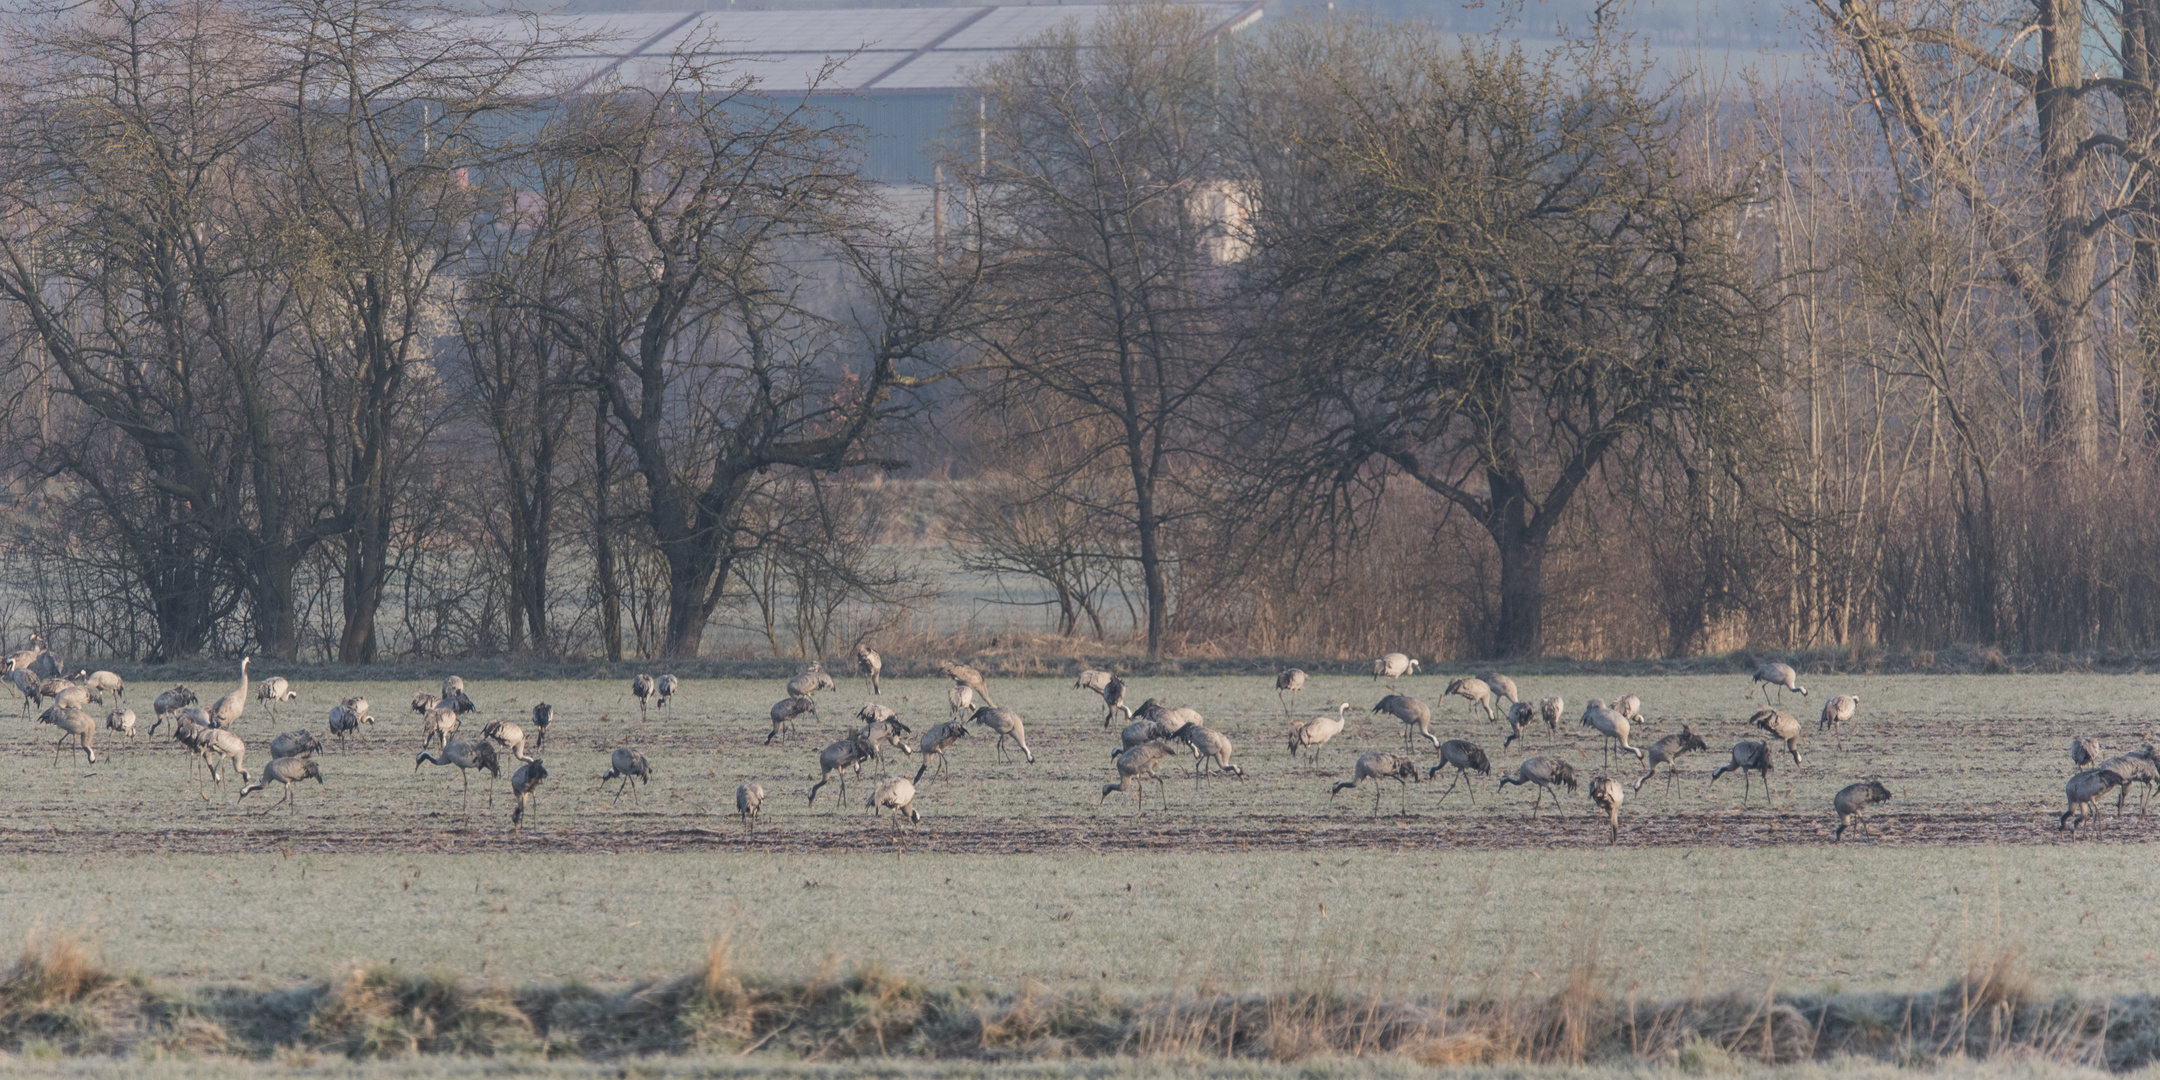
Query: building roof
point(871, 50)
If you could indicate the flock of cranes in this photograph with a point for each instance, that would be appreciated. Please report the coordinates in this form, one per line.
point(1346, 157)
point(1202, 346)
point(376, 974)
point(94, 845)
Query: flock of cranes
point(1155, 731)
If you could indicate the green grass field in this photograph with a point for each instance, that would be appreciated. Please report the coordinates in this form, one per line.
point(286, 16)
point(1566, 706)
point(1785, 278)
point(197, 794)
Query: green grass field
point(1020, 876)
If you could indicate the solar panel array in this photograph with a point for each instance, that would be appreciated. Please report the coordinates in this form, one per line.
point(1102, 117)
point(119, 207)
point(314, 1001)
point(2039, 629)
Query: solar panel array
point(871, 50)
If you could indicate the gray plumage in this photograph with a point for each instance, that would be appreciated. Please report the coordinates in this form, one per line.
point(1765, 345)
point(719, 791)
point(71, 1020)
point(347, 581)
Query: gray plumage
point(1783, 675)
point(1607, 793)
point(543, 714)
point(122, 720)
point(2084, 752)
point(1667, 751)
point(749, 800)
point(228, 708)
point(2083, 792)
point(884, 729)
point(934, 743)
point(299, 743)
point(869, 662)
point(1747, 757)
point(273, 690)
point(218, 744)
point(438, 724)
point(1209, 745)
point(1381, 765)
point(286, 771)
point(452, 687)
point(1093, 679)
point(1853, 799)
point(1783, 726)
point(664, 688)
point(1411, 712)
point(1519, 716)
point(626, 764)
point(73, 724)
point(897, 794)
point(1475, 691)
point(1545, 772)
point(346, 717)
point(838, 757)
point(1502, 687)
point(1392, 667)
point(1138, 762)
point(26, 682)
point(525, 785)
point(467, 755)
point(1288, 681)
point(106, 682)
point(1171, 719)
point(422, 701)
point(963, 675)
point(2137, 767)
point(509, 736)
point(1612, 724)
point(959, 702)
point(1113, 695)
point(784, 712)
point(1144, 730)
point(644, 686)
point(1008, 726)
point(1464, 756)
point(1311, 734)
point(1838, 710)
point(1550, 707)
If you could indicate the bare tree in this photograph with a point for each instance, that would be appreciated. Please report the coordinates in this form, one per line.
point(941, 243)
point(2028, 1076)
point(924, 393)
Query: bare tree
point(1493, 274)
point(2000, 104)
point(1102, 201)
point(734, 303)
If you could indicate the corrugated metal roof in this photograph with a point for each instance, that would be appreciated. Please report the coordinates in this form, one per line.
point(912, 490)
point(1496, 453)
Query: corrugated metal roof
point(878, 49)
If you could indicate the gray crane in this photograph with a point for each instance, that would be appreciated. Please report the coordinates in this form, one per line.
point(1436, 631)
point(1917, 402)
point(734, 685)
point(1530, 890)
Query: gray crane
point(228, 708)
point(1545, 772)
point(1773, 674)
point(1411, 712)
point(1475, 691)
point(895, 793)
point(1007, 724)
point(525, 785)
point(626, 764)
point(869, 662)
point(285, 771)
point(1667, 751)
point(1139, 762)
point(1288, 681)
point(1747, 757)
point(1382, 766)
point(749, 799)
point(1311, 734)
point(73, 724)
point(1851, 800)
point(1607, 793)
point(1464, 756)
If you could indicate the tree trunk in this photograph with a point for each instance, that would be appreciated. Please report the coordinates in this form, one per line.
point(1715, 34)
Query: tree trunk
point(1519, 632)
point(2064, 321)
point(367, 571)
point(603, 543)
point(270, 584)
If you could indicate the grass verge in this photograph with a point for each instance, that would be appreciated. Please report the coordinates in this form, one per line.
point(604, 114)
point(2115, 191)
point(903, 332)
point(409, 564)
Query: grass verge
point(57, 1003)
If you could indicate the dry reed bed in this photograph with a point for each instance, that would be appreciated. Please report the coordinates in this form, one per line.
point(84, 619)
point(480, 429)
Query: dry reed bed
point(57, 1001)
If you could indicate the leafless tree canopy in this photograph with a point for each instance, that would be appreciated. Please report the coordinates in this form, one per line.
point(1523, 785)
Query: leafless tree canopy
point(341, 332)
